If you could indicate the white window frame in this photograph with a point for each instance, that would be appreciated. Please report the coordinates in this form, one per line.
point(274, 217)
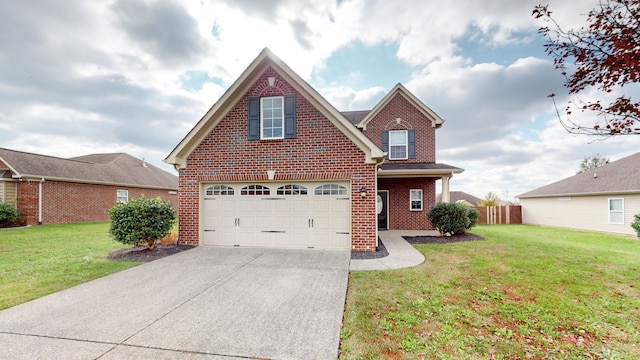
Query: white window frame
point(262, 118)
point(405, 145)
point(122, 196)
point(412, 199)
point(621, 212)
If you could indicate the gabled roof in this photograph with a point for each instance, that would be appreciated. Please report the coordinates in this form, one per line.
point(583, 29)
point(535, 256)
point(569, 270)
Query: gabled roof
point(399, 89)
point(617, 177)
point(267, 59)
point(460, 196)
point(109, 169)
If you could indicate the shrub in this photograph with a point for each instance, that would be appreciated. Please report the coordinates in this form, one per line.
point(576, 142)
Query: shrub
point(141, 220)
point(474, 215)
point(635, 224)
point(452, 218)
point(8, 214)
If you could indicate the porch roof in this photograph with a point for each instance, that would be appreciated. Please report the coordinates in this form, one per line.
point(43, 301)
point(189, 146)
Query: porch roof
point(421, 169)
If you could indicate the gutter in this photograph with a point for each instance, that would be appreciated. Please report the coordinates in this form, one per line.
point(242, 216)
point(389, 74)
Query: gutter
point(94, 182)
point(611, 192)
point(40, 201)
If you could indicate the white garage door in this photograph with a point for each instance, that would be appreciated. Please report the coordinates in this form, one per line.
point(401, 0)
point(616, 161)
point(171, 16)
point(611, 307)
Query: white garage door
point(286, 215)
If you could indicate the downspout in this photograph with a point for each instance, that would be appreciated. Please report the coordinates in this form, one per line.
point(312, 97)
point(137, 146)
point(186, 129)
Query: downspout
point(40, 201)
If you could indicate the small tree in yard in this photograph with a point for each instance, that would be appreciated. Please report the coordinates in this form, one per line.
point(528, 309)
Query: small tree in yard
point(592, 162)
point(491, 199)
point(8, 214)
point(141, 220)
point(452, 218)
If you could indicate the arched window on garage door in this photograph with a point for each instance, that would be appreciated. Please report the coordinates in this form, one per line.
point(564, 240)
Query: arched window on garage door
point(219, 190)
point(331, 189)
point(291, 189)
point(255, 190)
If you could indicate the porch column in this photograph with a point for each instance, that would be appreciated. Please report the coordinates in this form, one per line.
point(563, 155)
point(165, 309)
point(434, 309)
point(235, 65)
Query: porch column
point(445, 189)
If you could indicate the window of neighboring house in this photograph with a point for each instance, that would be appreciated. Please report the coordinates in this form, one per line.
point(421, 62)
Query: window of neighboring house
point(616, 211)
point(415, 199)
point(272, 117)
point(122, 196)
point(398, 145)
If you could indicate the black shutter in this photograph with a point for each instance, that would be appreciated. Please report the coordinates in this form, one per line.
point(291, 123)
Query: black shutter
point(385, 142)
point(253, 121)
point(290, 117)
point(412, 143)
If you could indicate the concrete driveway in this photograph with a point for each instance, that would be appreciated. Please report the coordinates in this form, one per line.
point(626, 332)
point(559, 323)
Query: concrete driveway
point(204, 303)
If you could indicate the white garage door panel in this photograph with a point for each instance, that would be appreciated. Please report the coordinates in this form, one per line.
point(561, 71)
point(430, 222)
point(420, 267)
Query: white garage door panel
point(286, 221)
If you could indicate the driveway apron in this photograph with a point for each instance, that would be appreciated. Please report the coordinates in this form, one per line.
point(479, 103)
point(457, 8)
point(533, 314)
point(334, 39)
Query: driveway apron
point(204, 303)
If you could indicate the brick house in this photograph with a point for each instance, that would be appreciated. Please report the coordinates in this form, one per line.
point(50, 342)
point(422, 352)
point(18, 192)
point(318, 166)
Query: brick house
point(49, 190)
point(272, 163)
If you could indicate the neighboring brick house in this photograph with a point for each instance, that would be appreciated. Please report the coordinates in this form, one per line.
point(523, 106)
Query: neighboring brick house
point(49, 190)
point(272, 163)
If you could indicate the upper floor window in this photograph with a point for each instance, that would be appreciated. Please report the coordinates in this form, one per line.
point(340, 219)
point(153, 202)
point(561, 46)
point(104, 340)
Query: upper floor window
point(616, 211)
point(122, 196)
point(272, 117)
point(398, 145)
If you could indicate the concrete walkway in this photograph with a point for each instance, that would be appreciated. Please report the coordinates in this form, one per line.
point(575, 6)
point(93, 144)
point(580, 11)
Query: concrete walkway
point(401, 253)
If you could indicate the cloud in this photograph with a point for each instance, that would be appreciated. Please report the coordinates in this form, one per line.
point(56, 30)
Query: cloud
point(162, 28)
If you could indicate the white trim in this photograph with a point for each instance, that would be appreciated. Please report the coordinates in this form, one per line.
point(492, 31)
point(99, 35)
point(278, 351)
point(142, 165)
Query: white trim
point(125, 194)
point(387, 208)
point(262, 99)
point(406, 144)
point(621, 212)
point(411, 200)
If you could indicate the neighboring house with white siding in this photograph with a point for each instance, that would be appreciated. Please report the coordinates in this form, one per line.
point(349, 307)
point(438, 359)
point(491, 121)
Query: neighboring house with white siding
point(601, 199)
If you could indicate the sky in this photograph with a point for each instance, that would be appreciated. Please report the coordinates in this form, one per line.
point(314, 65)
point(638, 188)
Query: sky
point(80, 77)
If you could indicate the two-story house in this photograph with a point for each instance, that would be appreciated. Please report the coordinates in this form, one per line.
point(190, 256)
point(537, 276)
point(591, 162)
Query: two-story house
point(273, 164)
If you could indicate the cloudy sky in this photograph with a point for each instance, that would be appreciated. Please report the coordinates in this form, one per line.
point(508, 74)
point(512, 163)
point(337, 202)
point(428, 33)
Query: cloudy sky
point(80, 77)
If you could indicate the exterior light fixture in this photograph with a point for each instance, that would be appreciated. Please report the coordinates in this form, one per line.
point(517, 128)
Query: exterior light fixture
point(363, 192)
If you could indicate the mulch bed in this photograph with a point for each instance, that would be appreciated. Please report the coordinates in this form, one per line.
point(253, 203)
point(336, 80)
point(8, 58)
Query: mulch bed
point(442, 239)
point(143, 254)
point(380, 252)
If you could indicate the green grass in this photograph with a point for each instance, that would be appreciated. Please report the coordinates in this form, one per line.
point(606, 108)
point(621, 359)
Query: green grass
point(524, 293)
point(40, 260)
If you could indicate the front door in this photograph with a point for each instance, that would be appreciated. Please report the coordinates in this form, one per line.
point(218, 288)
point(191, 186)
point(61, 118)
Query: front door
point(382, 203)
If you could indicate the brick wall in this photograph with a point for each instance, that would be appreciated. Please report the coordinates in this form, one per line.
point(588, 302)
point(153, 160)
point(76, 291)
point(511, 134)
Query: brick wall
point(319, 151)
point(411, 118)
point(65, 202)
point(400, 216)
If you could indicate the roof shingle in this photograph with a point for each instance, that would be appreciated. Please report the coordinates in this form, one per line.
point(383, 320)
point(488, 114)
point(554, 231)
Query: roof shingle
point(115, 168)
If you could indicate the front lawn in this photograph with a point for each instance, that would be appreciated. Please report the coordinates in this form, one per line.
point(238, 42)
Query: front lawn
point(40, 260)
point(524, 293)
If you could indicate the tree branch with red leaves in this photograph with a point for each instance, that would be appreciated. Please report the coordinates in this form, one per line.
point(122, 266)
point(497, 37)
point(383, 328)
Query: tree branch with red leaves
point(605, 56)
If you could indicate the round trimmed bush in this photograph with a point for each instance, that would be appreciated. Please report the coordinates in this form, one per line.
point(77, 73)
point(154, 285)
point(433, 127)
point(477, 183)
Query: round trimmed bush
point(451, 218)
point(141, 220)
